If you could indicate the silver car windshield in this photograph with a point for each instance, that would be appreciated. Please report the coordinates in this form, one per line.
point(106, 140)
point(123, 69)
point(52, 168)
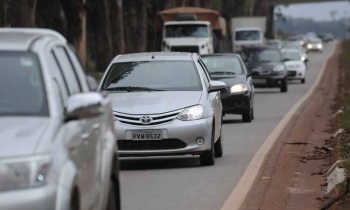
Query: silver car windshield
point(223, 64)
point(292, 56)
point(22, 91)
point(153, 76)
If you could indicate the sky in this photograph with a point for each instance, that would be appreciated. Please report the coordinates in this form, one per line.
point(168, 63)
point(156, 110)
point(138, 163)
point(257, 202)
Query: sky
point(318, 11)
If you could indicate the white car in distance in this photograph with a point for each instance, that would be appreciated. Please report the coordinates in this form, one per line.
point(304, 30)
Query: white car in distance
point(295, 65)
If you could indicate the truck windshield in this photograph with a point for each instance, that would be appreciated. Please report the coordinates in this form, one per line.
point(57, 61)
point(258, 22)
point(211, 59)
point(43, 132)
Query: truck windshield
point(176, 31)
point(251, 35)
point(22, 91)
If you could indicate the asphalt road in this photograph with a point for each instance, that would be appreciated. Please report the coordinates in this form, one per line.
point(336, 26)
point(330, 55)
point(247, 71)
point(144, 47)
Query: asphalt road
point(174, 183)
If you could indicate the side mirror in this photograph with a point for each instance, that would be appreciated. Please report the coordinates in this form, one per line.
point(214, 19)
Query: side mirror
point(216, 86)
point(93, 85)
point(84, 106)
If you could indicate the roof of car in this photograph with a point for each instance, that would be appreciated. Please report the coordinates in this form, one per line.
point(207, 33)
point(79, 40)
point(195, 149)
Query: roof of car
point(156, 56)
point(221, 54)
point(260, 48)
point(20, 39)
point(290, 50)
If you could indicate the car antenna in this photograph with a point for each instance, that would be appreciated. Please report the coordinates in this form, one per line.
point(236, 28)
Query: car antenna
point(154, 43)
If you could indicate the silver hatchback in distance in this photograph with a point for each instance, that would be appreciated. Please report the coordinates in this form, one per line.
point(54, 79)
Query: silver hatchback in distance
point(165, 104)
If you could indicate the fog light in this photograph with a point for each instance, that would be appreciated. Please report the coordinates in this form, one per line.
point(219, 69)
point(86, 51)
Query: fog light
point(200, 141)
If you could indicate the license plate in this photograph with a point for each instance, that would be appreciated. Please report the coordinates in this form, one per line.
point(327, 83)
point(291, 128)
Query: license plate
point(259, 81)
point(146, 135)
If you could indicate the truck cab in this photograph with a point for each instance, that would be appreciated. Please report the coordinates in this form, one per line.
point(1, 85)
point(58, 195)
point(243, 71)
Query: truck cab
point(248, 36)
point(188, 36)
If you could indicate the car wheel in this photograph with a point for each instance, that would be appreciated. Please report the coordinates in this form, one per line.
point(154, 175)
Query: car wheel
point(247, 115)
point(113, 196)
point(303, 81)
point(219, 150)
point(208, 157)
point(74, 203)
point(284, 86)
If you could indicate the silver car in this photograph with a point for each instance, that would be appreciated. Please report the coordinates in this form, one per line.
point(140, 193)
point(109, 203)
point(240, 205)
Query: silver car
point(57, 138)
point(165, 104)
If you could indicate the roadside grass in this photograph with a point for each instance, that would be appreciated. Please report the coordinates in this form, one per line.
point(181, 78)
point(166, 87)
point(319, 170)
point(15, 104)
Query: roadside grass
point(344, 119)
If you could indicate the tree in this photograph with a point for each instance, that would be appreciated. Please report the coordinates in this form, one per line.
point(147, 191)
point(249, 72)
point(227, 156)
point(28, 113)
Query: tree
point(117, 26)
point(3, 13)
point(100, 31)
point(74, 11)
point(22, 13)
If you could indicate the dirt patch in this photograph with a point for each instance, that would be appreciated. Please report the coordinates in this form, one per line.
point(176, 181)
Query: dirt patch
point(299, 160)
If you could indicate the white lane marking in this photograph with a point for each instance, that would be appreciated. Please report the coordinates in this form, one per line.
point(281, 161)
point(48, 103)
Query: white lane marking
point(240, 191)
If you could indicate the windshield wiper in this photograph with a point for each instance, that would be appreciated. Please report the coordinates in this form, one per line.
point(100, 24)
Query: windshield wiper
point(132, 89)
point(223, 72)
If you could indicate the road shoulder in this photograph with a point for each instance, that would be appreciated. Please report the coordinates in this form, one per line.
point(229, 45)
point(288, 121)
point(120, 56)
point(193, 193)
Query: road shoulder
point(292, 175)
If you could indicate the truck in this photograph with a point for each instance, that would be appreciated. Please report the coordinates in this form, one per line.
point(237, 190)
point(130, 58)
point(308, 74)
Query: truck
point(191, 29)
point(248, 31)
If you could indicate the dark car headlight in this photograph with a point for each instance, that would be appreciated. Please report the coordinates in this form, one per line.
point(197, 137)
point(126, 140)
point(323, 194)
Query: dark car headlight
point(240, 88)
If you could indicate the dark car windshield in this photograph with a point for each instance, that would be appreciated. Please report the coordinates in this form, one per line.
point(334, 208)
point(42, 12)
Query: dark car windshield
point(268, 55)
point(225, 64)
point(247, 35)
point(292, 56)
point(175, 31)
point(153, 76)
point(22, 90)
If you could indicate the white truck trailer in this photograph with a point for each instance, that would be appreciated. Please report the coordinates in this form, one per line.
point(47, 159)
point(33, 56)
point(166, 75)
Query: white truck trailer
point(248, 31)
point(191, 29)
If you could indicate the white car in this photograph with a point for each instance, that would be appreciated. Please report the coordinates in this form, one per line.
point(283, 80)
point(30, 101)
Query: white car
point(296, 46)
point(295, 65)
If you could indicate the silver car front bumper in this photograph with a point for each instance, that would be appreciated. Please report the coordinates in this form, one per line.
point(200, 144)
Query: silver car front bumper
point(41, 198)
point(185, 131)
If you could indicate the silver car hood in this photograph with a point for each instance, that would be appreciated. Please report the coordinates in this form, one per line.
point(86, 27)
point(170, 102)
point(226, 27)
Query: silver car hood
point(153, 102)
point(19, 136)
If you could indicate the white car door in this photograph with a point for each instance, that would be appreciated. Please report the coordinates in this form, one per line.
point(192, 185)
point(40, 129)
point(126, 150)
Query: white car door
point(89, 135)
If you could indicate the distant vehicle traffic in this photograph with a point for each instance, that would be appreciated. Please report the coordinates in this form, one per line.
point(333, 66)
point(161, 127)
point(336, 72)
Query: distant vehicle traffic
point(165, 104)
point(314, 44)
point(295, 65)
point(58, 148)
point(191, 29)
point(248, 31)
point(326, 37)
point(266, 67)
point(296, 46)
point(275, 43)
point(239, 96)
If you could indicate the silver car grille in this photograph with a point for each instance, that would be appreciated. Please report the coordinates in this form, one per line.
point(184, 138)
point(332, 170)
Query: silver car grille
point(147, 120)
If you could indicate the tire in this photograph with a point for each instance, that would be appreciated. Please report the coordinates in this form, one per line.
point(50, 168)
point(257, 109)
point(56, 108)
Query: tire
point(113, 202)
point(248, 115)
point(284, 86)
point(303, 81)
point(75, 202)
point(219, 151)
point(207, 158)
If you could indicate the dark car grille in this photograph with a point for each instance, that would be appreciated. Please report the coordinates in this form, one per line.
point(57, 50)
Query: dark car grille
point(292, 73)
point(191, 49)
point(155, 119)
point(151, 144)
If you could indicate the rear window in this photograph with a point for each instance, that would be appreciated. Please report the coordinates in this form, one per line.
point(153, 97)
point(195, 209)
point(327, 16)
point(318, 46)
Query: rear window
point(22, 91)
point(228, 64)
point(153, 75)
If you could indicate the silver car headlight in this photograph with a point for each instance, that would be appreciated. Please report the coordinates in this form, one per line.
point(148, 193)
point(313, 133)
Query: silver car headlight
point(278, 68)
point(21, 173)
point(191, 113)
point(240, 88)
